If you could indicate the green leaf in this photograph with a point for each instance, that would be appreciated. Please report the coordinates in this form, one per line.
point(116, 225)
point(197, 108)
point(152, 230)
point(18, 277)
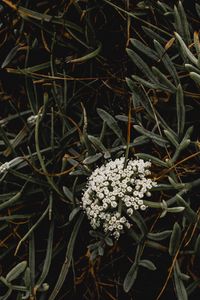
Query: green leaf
point(177, 19)
point(153, 159)
point(159, 236)
point(130, 277)
point(144, 49)
point(25, 12)
point(142, 66)
point(186, 50)
point(108, 241)
point(73, 213)
point(171, 137)
point(137, 218)
point(191, 68)
point(92, 158)
point(175, 239)
point(27, 277)
point(29, 70)
point(32, 229)
point(179, 286)
point(110, 121)
point(16, 271)
point(150, 85)
point(164, 57)
point(188, 213)
point(88, 56)
point(164, 80)
point(10, 56)
point(180, 107)
point(140, 140)
point(151, 135)
point(68, 193)
point(99, 145)
point(195, 77)
point(154, 35)
point(48, 257)
point(68, 258)
point(176, 209)
point(11, 201)
point(140, 97)
point(184, 23)
point(147, 264)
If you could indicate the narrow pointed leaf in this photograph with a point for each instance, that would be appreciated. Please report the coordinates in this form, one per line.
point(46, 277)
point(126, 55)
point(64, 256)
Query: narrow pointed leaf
point(147, 264)
point(151, 135)
point(10, 56)
point(180, 107)
point(68, 259)
point(186, 50)
point(87, 57)
point(144, 49)
point(150, 85)
point(130, 277)
point(110, 121)
point(184, 23)
point(48, 257)
point(142, 66)
point(164, 80)
point(16, 271)
point(159, 236)
point(175, 239)
point(195, 77)
point(171, 138)
point(179, 287)
point(154, 35)
point(99, 145)
point(92, 158)
point(164, 57)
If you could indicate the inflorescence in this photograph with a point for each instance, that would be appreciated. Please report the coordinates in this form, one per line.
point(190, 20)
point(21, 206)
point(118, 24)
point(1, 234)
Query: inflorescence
point(114, 191)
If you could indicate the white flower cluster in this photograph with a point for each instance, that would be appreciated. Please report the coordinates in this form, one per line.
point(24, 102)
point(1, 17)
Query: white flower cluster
point(4, 167)
point(114, 191)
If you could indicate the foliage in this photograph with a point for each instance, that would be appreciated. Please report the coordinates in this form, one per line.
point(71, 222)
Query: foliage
point(83, 82)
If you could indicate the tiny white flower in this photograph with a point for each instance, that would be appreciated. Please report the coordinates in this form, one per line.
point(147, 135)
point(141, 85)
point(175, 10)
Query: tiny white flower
point(129, 189)
point(129, 211)
point(143, 207)
point(148, 194)
point(114, 204)
point(140, 202)
point(120, 227)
